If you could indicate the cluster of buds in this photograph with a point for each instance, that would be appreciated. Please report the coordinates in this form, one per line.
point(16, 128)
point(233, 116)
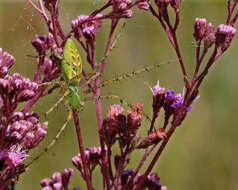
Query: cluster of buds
point(204, 31)
point(11, 165)
point(222, 37)
point(23, 129)
point(6, 62)
point(58, 181)
point(18, 135)
point(86, 26)
point(93, 157)
point(11, 158)
point(50, 68)
point(169, 100)
point(42, 43)
point(123, 126)
point(15, 89)
point(152, 181)
point(121, 8)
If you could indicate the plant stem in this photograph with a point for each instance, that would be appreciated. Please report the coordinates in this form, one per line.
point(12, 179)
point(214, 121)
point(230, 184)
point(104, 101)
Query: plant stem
point(139, 166)
point(87, 173)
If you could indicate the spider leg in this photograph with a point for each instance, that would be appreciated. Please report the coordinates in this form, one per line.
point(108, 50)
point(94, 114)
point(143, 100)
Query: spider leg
point(54, 140)
point(66, 93)
point(121, 100)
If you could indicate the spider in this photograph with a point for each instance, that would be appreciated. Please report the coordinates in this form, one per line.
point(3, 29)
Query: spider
point(71, 68)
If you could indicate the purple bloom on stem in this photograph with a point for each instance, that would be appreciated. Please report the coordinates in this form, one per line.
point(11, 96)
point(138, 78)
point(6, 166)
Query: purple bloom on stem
point(25, 130)
point(153, 181)
point(224, 36)
point(144, 5)
point(87, 26)
point(163, 188)
point(93, 156)
point(42, 43)
point(15, 89)
point(157, 89)
point(121, 8)
point(178, 101)
point(170, 94)
point(59, 180)
point(14, 156)
point(6, 62)
point(114, 110)
point(200, 27)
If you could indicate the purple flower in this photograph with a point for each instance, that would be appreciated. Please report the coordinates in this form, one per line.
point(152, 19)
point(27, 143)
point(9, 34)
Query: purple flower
point(210, 37)
point(58, 181)
point(158, 98)
point(200, 27)
point(204, 31)
point(153, 181)
point(143, 5)
point(224, 36)
point(14, 156)
point(170, 94)
point(157, 89)
point(6, 62)
point(121, 8)
point(42, 43)
point(25, 130)
point(86, 25)
point(178, 101)
point(114, 110)
point(93, 157)
point(163, 188)
point(125, 176)
point(15, 89)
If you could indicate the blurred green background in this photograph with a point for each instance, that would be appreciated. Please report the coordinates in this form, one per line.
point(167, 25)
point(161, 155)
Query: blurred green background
point(203, 152)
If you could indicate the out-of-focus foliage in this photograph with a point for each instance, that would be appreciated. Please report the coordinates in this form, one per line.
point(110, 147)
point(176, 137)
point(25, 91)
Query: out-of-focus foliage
point(202, 154)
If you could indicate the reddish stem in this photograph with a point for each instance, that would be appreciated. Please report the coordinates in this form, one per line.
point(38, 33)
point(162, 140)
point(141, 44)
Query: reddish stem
point(139, 166)
point(87, 173)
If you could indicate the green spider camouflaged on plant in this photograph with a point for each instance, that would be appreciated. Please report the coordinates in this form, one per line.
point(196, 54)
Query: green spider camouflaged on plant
point(71, 68)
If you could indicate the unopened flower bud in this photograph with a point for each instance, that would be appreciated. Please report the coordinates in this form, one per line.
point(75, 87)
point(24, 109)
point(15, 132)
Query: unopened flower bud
point(200, 27)
point(46, 182)
point(6, 62)
point(144, 5)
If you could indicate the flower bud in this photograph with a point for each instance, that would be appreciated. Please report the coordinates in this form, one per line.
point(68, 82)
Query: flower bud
point(144, 5)
point(6, 62)
point(224, 36)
